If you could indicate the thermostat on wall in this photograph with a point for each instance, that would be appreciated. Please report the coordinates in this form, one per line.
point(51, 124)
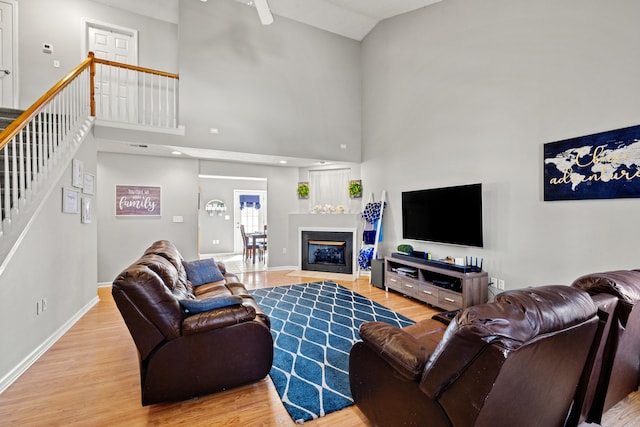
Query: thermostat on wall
point(47, 48)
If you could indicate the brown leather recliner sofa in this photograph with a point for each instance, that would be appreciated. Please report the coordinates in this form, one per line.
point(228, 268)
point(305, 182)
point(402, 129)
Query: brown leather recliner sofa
point(617, 365)
point(183, 354)
point(514, 362)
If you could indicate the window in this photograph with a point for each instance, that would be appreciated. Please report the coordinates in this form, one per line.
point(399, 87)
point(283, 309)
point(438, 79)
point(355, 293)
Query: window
point(250, 212)
point(329, 187)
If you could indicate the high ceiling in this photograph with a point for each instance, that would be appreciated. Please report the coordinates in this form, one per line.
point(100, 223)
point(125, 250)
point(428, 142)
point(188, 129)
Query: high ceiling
point(349, 18)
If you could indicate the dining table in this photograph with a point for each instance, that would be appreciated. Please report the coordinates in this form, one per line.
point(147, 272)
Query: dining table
point(254, 238)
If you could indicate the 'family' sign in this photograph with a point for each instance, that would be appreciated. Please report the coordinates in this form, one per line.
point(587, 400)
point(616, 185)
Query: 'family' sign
point(137, 200)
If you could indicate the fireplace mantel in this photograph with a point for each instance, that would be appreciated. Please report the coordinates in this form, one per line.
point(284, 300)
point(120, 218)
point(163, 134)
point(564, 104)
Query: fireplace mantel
point(325, 220)
point(298, 222)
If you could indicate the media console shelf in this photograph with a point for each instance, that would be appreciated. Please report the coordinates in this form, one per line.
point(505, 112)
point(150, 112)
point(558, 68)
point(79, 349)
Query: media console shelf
point(441, 287)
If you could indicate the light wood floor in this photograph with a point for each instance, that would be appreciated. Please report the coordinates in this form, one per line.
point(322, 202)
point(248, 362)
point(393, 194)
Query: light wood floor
point(90, 378)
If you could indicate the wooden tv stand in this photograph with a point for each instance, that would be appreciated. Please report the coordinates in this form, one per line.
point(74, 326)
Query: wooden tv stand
point(441, 287)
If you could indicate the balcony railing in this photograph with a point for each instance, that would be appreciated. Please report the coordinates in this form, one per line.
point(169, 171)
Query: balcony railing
point(135, 95)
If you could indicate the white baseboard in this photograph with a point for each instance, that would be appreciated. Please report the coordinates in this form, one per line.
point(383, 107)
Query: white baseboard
point(21, 368)
point(290, 267)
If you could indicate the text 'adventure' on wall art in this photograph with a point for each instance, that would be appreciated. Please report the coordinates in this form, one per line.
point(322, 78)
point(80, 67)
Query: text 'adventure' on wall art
point(604, 165)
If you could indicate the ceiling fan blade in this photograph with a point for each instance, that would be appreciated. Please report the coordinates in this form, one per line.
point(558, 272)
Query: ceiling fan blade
point(263, 11)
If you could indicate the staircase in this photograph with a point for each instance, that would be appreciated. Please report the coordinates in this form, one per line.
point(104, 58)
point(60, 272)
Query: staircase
point(36, 154)
point(18, 155)
point(37, 145)
point(7, 116)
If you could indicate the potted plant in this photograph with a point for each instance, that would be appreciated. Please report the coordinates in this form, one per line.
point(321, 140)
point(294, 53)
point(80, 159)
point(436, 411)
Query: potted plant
point(303, 190)
point(355, 189)
point(405, 249)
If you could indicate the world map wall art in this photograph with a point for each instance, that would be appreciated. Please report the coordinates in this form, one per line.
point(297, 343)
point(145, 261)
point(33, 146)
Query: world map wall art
point(604, 165)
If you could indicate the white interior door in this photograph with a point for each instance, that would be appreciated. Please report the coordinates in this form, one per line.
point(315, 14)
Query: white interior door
point(116, 90)
point(8, 93)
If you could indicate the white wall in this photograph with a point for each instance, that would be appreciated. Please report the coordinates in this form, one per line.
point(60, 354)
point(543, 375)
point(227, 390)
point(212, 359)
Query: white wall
point(164, 10)
point(285, 89)
point(355, 205)
point(463, 92)
point(56, 260)
point(59, 23)
point(122, 240)
point(282, 199)
point(217, 227)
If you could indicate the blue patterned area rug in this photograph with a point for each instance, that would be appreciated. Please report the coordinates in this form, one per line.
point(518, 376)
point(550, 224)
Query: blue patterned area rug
point(314, 326)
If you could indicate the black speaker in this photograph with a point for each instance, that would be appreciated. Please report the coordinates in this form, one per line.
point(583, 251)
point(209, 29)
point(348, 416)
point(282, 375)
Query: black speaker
point(377, 273)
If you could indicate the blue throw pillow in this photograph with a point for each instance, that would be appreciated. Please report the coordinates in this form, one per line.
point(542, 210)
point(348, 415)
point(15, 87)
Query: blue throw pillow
point(198, 306)
point(202, 271)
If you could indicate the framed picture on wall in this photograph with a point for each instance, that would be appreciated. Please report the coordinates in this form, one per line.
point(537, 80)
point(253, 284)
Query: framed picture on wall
point(138, 200)
point(77, 171)
point(86, 210)
point(89, 186)
point(70, 200)
point(604, 165)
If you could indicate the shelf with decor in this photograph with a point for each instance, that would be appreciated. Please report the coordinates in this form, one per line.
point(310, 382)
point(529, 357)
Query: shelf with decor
point(435, 283)
point(372, 235)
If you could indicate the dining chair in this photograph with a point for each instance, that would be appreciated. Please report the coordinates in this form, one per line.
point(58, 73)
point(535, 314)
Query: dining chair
point(247, 248)
point(264, 241)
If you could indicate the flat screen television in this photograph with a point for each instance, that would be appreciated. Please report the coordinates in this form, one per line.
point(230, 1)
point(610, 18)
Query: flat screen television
point(444, 215)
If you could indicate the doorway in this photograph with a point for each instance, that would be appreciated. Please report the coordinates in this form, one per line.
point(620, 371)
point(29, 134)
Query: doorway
point(219, 234)
point(8, 53)
point(250, 210)
point(115, 92)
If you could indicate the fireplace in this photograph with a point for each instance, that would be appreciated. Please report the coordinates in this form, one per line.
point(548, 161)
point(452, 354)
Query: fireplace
point(328, 251)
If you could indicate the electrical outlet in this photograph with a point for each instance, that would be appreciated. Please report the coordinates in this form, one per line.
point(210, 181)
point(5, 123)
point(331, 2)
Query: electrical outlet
point(284, 251)
point(38, 307)
point(501, 284)
point(494, 282)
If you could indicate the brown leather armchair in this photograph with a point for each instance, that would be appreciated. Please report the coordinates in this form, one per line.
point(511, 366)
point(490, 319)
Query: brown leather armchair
point(183, 355)
point(587, 392)
point(516, 361)
point(619, 370)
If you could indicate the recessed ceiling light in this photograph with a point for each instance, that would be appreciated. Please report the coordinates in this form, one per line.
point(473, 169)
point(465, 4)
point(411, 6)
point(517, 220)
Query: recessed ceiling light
point(283, 162)
point(176, 153)
point(214, 131)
